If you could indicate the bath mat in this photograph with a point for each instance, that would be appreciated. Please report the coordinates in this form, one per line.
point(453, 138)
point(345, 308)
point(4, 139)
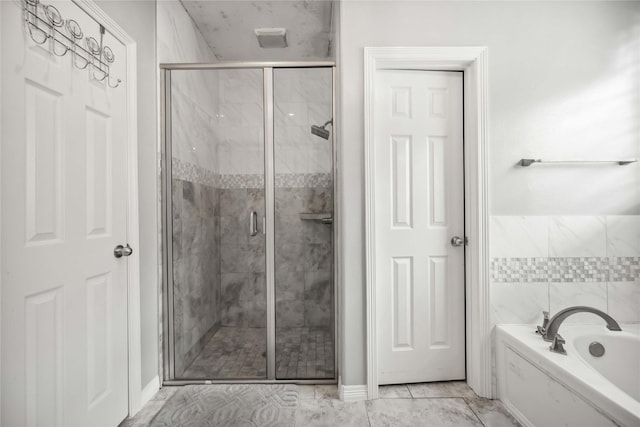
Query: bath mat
point(230, 405)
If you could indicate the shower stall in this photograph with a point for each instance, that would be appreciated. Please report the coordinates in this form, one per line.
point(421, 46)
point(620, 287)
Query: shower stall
point(248, 224)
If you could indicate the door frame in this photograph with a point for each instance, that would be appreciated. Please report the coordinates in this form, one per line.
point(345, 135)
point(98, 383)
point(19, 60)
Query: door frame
point(473, 62)
point(133, 270)
point(1, 144)
point(134, 349)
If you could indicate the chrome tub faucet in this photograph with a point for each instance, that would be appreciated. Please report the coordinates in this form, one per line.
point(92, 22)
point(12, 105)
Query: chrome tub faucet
point(549, 328)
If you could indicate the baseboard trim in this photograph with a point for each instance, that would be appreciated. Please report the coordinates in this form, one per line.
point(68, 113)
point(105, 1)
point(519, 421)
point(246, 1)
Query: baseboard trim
point(353, 393)
point(150, 390)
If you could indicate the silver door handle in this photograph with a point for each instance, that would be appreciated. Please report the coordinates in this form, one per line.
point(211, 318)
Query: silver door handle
point(327, 220)
point(121, 251)
point(458, 241)
point(253, 223)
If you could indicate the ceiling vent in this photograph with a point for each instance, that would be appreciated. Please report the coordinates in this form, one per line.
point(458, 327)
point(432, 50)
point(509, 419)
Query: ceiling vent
point(269, 38)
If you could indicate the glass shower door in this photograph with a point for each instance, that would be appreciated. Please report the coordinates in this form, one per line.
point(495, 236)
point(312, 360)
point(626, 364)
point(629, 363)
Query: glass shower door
point(218, 292)
point(303, 158)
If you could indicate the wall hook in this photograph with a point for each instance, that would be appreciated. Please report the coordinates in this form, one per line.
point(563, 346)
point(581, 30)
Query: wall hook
point(118, 81)
point(45, 22)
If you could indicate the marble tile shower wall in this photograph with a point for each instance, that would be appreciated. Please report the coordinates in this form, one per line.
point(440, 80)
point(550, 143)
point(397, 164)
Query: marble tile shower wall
point(194, 118)
point(552, 262)
point(304, 275)
point(304, 261)
point(178, 40)
point(242, 258)
point(302, 97)
point(218, 151)
point(240, 126)
point(303, 165)
point(196, 237)
point(196, 268)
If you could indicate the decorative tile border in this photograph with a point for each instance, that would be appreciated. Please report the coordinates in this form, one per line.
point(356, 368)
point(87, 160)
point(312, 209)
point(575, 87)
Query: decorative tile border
point(193, 173)
point(303, 180)
point(624, 269)
point(519, 270)
point(561, 270)
point(228, 181)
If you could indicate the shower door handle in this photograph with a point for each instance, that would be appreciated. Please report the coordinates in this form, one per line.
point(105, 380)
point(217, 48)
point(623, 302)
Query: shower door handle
point(253, 223)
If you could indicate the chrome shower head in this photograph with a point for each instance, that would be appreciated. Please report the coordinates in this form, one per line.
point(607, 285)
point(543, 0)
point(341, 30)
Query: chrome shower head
point(320, 130)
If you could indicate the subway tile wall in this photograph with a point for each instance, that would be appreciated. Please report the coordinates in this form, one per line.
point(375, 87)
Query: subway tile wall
point(551, 262)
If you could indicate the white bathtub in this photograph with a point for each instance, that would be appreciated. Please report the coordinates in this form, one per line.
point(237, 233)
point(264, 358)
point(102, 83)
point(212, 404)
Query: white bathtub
point(546, 389)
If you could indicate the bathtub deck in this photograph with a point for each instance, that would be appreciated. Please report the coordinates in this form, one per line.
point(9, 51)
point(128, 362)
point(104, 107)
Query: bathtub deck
point(571, 391)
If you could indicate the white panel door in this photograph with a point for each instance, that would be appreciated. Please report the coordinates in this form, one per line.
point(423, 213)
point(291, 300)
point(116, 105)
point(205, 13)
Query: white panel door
point(418, 209)
point(64, 189)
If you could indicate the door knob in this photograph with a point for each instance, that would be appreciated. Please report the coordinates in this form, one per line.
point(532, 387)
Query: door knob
point(458, 241)
point(121, 251)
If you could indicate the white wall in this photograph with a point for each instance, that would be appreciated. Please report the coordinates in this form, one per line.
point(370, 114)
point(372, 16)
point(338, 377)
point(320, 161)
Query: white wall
point(564, 82)
point(138, 20)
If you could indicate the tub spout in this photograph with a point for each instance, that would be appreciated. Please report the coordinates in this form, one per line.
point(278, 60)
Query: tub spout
point(551, 330)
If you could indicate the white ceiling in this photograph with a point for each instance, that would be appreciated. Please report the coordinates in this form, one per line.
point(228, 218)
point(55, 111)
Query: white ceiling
point(228, 26)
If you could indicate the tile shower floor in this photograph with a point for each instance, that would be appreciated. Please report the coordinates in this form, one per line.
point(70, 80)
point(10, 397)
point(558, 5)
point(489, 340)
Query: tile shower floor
point(450, 404)
point(241, 353)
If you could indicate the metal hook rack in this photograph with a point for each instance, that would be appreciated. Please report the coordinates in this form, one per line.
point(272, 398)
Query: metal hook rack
point(529, 162)
point(45, 23)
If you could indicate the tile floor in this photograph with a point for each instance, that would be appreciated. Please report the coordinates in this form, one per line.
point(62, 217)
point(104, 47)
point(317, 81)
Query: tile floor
point(239, 353)
point(433, 404)
point(231, 353)
point(304, 353)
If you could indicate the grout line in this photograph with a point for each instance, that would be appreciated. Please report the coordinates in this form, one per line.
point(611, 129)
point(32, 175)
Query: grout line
point(406, 386)
point(366, 410)
point(473, 411)
point(410, 392)
point(441, 397)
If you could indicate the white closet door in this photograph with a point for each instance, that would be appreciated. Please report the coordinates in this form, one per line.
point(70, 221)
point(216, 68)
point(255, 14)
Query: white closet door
point(419, 208)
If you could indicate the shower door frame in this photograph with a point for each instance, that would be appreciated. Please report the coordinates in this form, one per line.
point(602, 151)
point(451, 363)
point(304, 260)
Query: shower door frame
point(166, 315)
